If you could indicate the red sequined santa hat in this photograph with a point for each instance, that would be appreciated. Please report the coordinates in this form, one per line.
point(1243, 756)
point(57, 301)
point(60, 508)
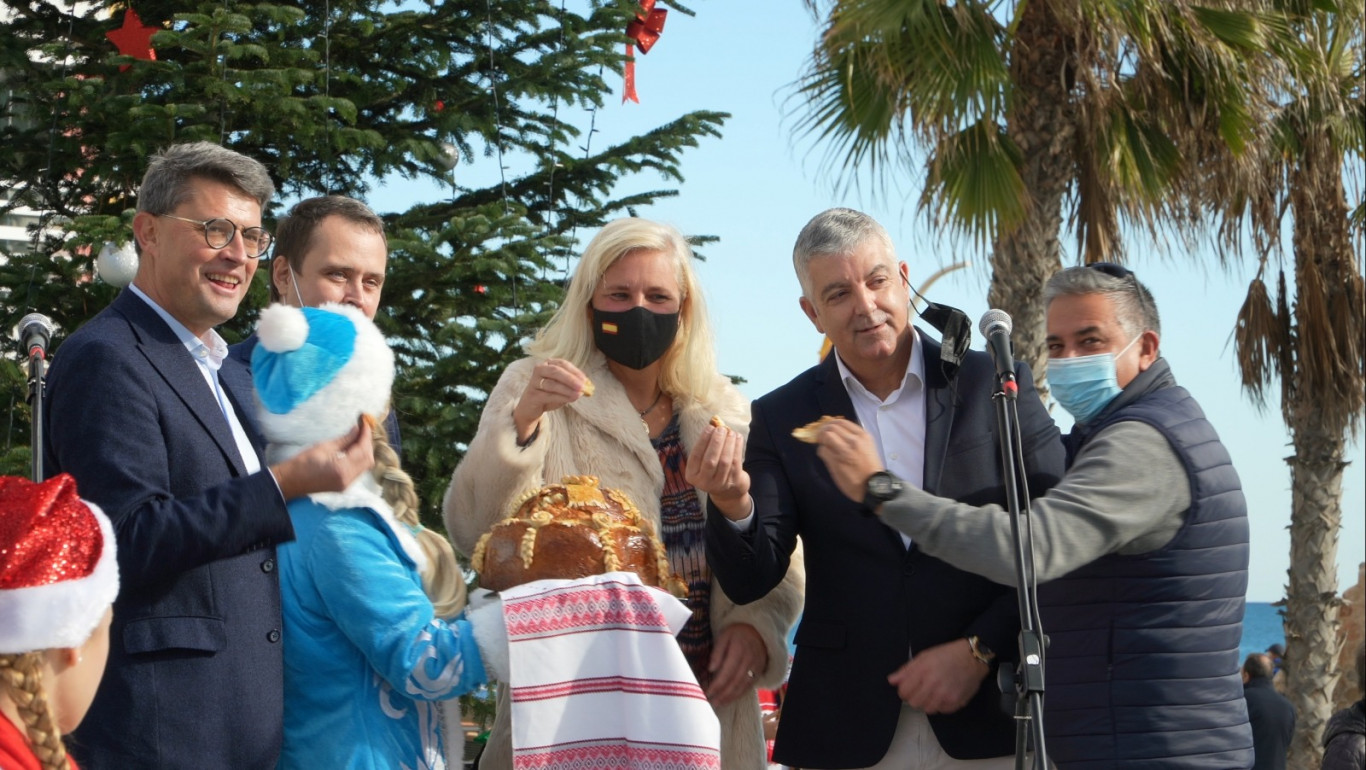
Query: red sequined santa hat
point(58, 572)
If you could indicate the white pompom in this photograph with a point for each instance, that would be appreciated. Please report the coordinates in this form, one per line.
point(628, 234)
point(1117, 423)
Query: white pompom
point(282, 328)
point(117, 264)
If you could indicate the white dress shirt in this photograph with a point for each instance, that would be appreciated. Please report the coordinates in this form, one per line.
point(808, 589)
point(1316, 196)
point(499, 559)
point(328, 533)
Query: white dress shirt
point(209, 356)
point(896, 423)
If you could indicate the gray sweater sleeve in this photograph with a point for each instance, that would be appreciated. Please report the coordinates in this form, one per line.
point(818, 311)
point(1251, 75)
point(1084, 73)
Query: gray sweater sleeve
point(1126, 493)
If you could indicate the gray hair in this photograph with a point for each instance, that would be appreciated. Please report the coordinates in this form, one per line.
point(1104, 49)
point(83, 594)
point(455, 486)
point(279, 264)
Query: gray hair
point(166, 184)
point(835, 232)
point(1134, 306)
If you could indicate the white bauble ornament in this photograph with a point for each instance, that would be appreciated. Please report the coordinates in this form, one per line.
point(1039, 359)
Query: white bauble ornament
point(117, 264)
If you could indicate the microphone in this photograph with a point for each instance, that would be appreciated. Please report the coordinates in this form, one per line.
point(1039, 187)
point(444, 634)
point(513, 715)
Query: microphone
point(34, 332)
point(995, 326)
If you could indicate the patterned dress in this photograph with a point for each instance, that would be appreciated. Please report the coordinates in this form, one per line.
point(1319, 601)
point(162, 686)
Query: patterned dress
point(682, 524)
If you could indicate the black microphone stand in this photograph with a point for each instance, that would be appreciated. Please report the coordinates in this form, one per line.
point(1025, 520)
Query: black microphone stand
point(1028, 681)
point(37, 362)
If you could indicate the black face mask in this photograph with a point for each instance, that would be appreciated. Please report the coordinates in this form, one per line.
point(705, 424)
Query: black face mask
point(635, 338)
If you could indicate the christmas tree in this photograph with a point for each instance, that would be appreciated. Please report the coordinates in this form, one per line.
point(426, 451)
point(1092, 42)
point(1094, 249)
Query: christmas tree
point(333, 97)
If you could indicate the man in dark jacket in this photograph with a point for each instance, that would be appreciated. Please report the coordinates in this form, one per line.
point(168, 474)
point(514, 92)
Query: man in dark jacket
point(1140, 550)
point(1271, 715)
point(1344, 739)
point(155, 422)
point(895, 646)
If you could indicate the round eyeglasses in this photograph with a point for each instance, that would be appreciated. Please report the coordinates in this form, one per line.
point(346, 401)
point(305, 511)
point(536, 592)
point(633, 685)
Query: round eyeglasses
point(219, 232)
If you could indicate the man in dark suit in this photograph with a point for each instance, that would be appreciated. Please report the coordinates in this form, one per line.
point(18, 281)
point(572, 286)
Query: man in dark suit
point(1272, 716)
point(895, 647)
point(155, 423)
point(328, 249)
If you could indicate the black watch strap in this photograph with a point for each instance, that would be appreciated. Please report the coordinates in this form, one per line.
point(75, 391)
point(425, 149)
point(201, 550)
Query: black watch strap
point(879, 488)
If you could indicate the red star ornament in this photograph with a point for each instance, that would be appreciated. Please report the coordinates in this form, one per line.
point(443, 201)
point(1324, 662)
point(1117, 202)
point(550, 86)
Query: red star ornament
point(133, 38)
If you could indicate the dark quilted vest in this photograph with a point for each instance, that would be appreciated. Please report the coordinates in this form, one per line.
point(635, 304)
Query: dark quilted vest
point(1142, 662)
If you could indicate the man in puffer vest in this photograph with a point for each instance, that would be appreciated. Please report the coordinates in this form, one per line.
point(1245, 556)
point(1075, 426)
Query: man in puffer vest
point(1140, 551)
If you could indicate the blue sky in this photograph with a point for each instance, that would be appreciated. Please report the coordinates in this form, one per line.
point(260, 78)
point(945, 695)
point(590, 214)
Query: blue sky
point(759, 184)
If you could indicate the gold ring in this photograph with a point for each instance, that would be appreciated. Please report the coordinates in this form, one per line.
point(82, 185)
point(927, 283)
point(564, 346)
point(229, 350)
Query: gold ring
point(541, 385)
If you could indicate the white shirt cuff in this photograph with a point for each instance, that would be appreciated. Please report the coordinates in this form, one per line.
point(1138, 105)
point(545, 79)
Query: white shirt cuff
point(747, 523)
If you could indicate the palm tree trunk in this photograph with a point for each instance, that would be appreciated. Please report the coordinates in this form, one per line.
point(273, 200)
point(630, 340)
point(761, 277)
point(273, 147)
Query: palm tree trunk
point(1042, 126)
point(1311, 632)
point(1321, 399)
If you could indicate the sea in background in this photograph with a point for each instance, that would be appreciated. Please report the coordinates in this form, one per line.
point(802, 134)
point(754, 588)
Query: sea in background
point(1261, 628)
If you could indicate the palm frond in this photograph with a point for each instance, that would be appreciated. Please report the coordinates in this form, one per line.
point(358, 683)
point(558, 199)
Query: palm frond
point(973, 183)
point(1260, 336)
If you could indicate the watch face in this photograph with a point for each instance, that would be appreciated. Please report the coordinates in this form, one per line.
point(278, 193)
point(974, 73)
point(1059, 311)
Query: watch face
point(881, 486)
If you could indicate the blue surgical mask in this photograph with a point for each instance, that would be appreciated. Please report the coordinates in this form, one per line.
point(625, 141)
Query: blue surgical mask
point(1085, 385)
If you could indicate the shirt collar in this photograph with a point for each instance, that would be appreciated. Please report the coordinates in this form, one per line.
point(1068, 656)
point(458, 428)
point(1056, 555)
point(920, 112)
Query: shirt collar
point(210, 351)
point(915, 373)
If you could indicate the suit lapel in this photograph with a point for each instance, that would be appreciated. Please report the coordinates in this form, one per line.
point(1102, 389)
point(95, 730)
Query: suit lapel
point(831, 395)
point(940, 407)
point(168, 356)
point(237, 386)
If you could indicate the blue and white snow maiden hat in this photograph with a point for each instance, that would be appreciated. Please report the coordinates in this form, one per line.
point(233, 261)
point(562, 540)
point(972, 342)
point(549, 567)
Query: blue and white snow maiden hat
point(317, 370)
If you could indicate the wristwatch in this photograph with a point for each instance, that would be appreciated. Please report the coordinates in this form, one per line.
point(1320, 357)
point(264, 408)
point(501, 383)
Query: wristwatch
point(879, 488)
point(980, 651)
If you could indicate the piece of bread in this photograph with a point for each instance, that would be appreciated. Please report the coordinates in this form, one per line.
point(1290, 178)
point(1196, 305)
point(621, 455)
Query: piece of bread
point(717, 422)
point(588, 388)
point(811, 432)
point(370, 420)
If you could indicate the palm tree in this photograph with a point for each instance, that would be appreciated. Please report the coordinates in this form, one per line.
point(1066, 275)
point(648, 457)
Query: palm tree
point(1031, 111)
point(1316, 346)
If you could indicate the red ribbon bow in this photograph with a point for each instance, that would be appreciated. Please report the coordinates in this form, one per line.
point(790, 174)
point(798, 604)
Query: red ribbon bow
point(645, 30)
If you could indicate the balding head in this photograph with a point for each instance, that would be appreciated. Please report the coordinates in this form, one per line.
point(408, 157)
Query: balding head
point(1257, 666)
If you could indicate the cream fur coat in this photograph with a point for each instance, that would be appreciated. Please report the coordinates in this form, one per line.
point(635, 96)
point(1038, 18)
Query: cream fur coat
point(601, 436)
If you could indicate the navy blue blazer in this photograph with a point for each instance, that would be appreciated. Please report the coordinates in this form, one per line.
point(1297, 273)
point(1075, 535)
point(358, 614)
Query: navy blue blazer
point(195, 674)
point(242, 352)
point(869, 599)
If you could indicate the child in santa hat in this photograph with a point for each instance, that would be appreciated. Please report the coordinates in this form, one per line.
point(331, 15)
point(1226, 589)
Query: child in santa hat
point(372, 640)
point(58, 580)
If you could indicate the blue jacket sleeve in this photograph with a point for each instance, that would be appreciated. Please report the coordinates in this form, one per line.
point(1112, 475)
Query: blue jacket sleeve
point(375, 597)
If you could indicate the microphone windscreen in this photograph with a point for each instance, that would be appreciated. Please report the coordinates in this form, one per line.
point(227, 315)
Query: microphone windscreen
point(992, 319)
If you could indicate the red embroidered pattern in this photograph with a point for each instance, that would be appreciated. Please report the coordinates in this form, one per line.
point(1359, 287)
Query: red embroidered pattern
point(621, 753)
point(578, 609)
point(607, 684)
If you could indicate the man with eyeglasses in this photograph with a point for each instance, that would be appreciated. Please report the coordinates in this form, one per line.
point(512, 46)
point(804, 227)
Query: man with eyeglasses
point(1141, 550)
point(153, 420)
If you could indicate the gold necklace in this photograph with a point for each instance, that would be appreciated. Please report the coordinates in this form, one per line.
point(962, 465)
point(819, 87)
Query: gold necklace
point(649, 409)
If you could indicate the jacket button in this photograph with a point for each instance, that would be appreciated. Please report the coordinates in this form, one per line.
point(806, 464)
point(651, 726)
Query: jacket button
point(273, 636)
point(268, 565)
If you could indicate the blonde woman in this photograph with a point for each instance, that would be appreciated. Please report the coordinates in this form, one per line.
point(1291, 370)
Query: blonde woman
point(634, 325)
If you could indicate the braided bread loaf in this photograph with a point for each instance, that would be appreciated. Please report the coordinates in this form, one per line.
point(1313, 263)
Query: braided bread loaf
point(571, 530)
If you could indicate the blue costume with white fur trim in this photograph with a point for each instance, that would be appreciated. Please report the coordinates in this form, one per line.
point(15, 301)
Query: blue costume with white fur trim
point(365, 655)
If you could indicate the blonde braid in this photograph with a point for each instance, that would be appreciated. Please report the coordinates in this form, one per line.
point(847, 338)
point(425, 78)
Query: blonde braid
point(441, 580)
point(21, 677)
